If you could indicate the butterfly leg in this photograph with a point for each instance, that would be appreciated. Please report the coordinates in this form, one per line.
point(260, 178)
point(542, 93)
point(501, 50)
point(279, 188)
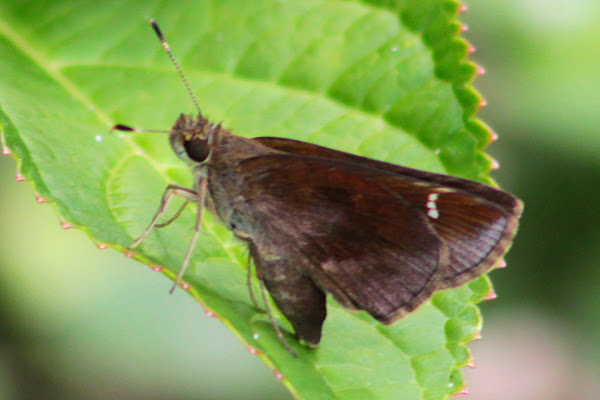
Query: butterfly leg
point(200, 199)
point(170, 191)
point(273, 322)
point(174, 217)
point(249, 284)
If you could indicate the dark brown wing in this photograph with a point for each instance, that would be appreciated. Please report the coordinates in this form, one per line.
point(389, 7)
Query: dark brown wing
point(477, 231)
point(478, 222)
point(351, 235)
point(509, 203)
point(295, 293)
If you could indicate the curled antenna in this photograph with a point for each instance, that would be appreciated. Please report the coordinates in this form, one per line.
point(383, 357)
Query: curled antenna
point(167, 48)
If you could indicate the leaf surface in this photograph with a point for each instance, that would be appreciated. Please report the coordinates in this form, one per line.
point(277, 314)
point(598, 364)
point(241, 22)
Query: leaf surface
point(384, 79)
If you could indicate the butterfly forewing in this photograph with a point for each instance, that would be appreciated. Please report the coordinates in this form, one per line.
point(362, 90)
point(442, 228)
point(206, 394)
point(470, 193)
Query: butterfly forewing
point(477, 222)
point(476, 231)
point(370, 248)
point(509, 203)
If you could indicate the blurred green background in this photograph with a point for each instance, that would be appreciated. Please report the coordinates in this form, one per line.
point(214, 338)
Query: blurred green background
point(66, 337)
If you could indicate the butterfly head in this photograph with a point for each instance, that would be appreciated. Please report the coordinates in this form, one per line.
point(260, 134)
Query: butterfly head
point(192, 138)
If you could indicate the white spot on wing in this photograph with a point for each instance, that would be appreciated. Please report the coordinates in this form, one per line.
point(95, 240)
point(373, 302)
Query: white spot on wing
point(435, 214)
point(432, 210)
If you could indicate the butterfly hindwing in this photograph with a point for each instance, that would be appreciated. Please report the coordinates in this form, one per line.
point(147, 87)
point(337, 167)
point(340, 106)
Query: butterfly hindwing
point(293, 291)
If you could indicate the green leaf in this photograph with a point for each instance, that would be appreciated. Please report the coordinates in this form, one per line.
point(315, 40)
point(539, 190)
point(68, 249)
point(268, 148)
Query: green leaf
point(385, 79)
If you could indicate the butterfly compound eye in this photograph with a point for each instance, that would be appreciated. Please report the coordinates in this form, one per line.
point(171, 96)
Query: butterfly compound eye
point(197, 149)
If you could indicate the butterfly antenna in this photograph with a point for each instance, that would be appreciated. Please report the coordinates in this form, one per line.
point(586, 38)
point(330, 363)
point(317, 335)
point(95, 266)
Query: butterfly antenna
point(167, 48)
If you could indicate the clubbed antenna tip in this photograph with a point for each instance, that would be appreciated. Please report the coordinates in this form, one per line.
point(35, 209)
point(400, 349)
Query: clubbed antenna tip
point(167, 48)
point(159, 33)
